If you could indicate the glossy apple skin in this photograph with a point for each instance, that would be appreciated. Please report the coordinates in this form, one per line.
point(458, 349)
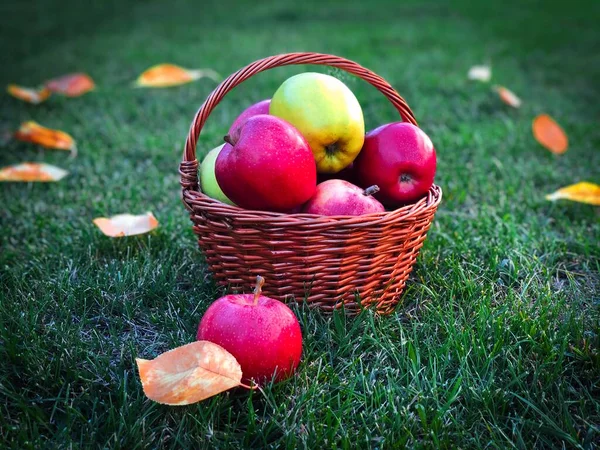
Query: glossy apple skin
point(208, 181)
point(327, 114)
point(265, 338)
point(340, 198)
point(258, 108)
point(399, 158)
point(269, 168)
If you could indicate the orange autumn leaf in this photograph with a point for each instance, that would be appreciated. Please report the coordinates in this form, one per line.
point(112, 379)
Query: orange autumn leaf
point(548, 133)
point(583, 192)
point(508, 97)
point(46, 137)
point(28, 95)
point(71, 85)
point(126, 224)
point(32, 172)
point(167, 75)
point(189, 374)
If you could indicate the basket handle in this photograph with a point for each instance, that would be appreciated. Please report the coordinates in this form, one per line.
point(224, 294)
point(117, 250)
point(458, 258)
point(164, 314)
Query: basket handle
point(189, 166)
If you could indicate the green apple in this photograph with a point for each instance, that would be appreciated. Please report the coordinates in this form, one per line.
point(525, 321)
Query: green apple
point(326, 113)
point(208, 180)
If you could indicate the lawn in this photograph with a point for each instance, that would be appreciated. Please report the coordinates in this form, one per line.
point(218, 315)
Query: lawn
point(496, 341)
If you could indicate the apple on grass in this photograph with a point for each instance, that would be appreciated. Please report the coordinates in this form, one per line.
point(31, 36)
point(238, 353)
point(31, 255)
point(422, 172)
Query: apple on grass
point(258, 108)
point(327, 114)
point(340, 198)
point(208, 180)
point(399, 158)
point(267, 166)
point(262, 334)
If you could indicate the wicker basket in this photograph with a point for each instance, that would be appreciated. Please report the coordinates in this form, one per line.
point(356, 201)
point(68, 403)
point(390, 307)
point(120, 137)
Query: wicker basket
point(357, 262)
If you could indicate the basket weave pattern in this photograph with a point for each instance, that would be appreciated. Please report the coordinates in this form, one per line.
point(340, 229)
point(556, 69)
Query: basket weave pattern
point(328, 261)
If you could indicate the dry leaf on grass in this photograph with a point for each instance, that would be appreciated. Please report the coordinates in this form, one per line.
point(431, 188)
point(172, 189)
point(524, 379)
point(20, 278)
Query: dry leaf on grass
point(548, 133)
point(583, 192)
point(46, 137)
point(480, 73)
point(30, 171)
point(29, 95)
point(508, 97)
point(126, 224)
point(189, 373)
point(71, 85)
point(167, 75)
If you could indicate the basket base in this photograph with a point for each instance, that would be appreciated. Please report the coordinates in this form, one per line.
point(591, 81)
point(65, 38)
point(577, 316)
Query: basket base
point(329, 263)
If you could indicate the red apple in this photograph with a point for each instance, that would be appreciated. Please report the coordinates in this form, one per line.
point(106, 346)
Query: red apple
point(262, 333)
point(269, 166)
point(340, 198)
point(257, 108)
point(399, 158)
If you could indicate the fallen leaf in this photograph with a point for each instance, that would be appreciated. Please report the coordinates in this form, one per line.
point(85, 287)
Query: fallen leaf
point(189, 374)
point(71, 85)
point(29, 95)
point(32, 172)
point(481, 73)
point(126, 224)
point(548, 133)
point(583, 192)
point(46, 137)
point(508, 97)
point(166, 75)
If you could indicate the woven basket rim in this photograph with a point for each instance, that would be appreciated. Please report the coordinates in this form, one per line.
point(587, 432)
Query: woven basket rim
point(431, 200)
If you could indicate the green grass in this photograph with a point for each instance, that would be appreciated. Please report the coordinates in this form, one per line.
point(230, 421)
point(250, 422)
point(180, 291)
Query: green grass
point(496, 343)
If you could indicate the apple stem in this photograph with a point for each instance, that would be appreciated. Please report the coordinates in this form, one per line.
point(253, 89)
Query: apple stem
point(258, 289)
point(228, 139)
point(371, 190)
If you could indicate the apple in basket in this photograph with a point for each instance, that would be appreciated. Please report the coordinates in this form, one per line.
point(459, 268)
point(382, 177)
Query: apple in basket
point(267, 166)
point(327, 114)
point(257, 108)
point(262, 333)
point(399, 158)
point(208, 180)
point(340, 198)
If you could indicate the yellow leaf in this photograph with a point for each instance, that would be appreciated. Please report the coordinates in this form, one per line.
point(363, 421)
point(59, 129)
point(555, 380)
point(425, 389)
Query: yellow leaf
point(32, 172)
point(46, 137)
point(189, 373)
point(480, 73)
point(508, 97)
point(126, 224)
point(166, 75)
point(29, 95)
point(548, 133)
point(71, 85)
point(583, 192)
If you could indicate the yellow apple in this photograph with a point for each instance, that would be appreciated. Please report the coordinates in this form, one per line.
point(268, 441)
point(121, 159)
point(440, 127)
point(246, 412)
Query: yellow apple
point(208, 180)
point(326, 113)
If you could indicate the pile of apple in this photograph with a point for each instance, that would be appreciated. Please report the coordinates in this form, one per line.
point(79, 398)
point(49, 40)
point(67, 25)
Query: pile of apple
point(305, 151)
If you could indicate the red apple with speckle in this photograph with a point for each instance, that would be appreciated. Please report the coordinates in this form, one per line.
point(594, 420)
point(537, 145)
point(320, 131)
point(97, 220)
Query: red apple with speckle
point(267, 166)
point(340, 198)
point(257, 108)
point(399, 158)
point(263, 334)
